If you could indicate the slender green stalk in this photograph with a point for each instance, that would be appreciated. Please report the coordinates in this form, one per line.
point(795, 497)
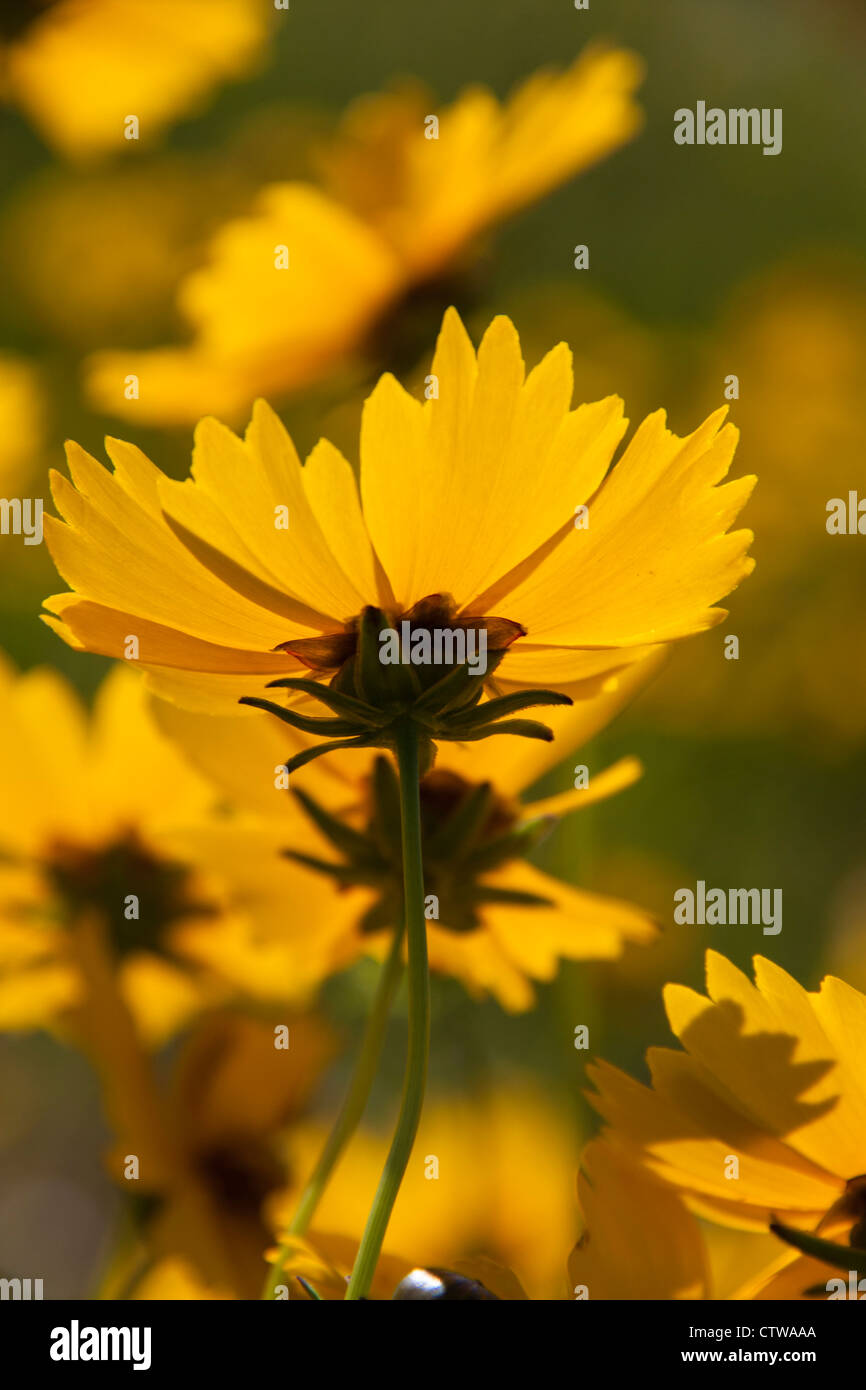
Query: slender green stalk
point(352, 1108)
point(419, 1020)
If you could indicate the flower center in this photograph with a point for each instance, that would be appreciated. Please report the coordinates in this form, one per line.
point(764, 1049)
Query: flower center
point(138, 895)
point(17, 16)
point(429, 639)
point(468, 832)
point(423, 672)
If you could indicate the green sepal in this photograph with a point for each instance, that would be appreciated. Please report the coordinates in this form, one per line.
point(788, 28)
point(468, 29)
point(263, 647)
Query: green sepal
point(328, 728)
point(386, 810)
point(374, 681)
point(513, 897)
point(523, 728)
point(307, 755)
point(308, 1289)
point(335, 700)
point(342, 872)
point(380, 917)
point(343, 837)
point(511, 704)
point(449, 690)
point(845, 1257)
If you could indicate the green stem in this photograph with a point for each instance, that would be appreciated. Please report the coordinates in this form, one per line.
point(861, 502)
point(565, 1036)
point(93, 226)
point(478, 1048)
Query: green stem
point(351, 1111)
point(419, 1020)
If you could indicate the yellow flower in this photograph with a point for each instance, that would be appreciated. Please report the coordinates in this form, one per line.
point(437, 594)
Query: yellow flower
point(395, 211)
point(491, 1175)
point(106, 818)
point(81, 68)
point(493, 498)
point(763, 1117)
point(502, 1210)
point(232, 1093)
point(499, 923)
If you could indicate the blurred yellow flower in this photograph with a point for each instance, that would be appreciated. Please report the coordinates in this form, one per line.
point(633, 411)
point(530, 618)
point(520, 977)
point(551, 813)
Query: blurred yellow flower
point(795, 339)
point(232, 1094)
point(302, 282)
point(81, 68)
point(763, 1116)
point(501, 923)
point(494, 497)
point(491, 1175)
point(110, 845)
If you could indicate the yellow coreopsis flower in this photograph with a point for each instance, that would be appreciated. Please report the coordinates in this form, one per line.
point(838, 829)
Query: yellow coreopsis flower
point(762, 1118)
point(495, 922)
point(303, 281)
point(103, 821)
point(82, 68)
point(231, 1096)
point(493, 498)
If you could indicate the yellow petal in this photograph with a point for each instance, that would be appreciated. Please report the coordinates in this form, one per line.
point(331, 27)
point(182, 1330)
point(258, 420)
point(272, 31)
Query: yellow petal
point(477, 960)
point(81, 68)
point(95, 628)
point(495, 454)
point(577, 926)
point(602, 785)
point(491, 159)
point(640, 1241)
point(765, 1045)
point(654, 556)
point(116, 555)
point(513, 765)
point(260, 327)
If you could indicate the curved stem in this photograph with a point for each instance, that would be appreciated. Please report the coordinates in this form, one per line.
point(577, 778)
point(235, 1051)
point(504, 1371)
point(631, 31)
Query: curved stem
point(352, 1108)
point(419, 1020)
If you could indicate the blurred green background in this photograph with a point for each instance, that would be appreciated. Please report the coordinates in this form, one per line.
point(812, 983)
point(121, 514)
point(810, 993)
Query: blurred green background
point(703, 262)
